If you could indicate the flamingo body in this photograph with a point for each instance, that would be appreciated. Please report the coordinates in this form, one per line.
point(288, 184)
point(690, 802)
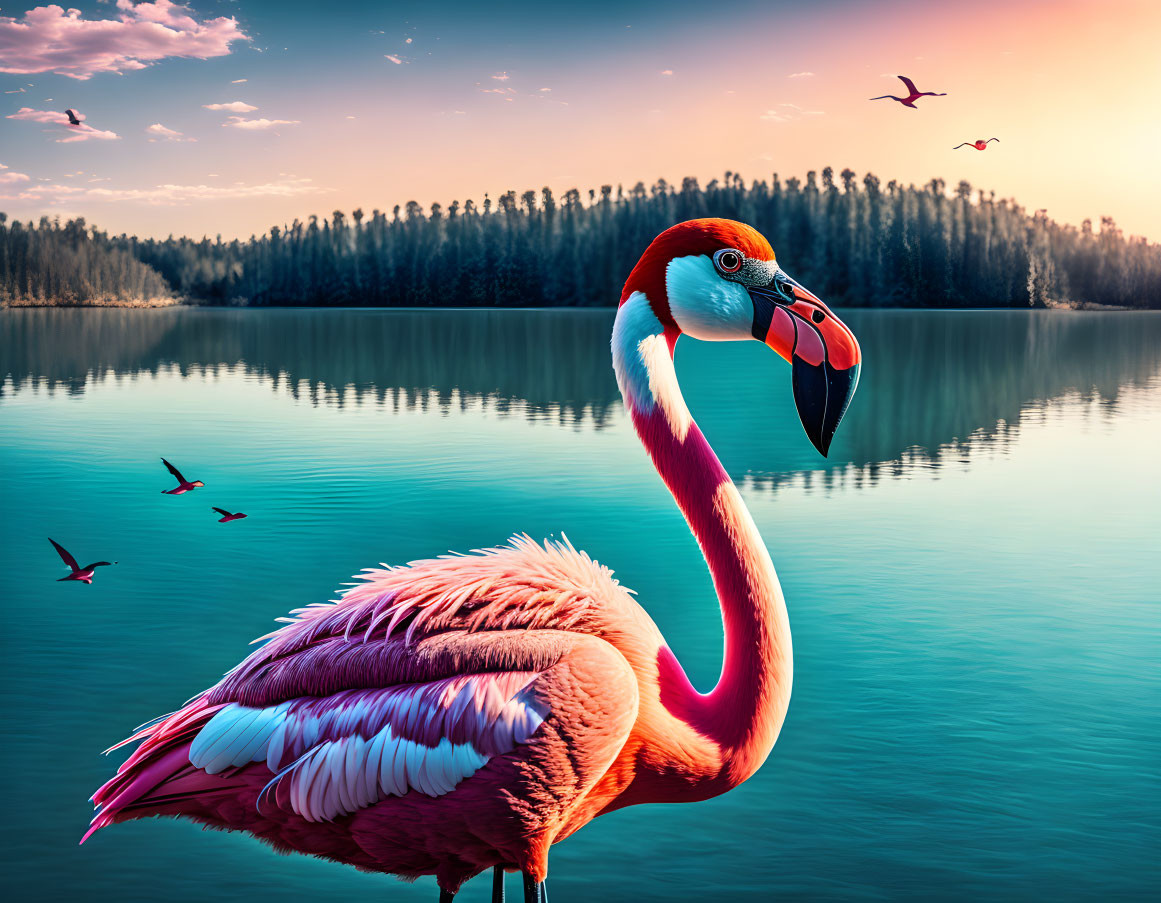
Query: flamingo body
point(78, 573)
point(978, 144)
point(411, 739)
point(183, 485)
point(913, 94)
point(469, 711)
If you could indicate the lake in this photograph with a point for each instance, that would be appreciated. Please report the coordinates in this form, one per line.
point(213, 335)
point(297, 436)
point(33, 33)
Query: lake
point(973, 578)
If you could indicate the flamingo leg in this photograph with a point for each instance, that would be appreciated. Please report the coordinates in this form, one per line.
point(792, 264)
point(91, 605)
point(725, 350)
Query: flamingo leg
point(534, 891)
point(498, 884)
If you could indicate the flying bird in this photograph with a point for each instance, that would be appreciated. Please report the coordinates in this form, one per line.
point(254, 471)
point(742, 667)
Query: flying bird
point(465, 713)
point(978, 144)
point(913, 94)
point(72, 115)
point(227, 516)
point(82, 574)
point(183, 485)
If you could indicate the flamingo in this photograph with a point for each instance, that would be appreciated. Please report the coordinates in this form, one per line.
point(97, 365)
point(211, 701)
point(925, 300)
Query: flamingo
point(978, 144)
point(82, 574)
point(227, 516)
point(913, 94)
point(467, 712)
point(183, 485)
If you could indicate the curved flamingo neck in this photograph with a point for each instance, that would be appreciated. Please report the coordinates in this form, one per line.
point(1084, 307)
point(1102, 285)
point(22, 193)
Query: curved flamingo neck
point(744, 712)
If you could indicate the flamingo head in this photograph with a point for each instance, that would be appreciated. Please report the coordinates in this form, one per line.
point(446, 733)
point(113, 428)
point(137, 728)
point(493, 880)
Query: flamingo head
point(717, 280)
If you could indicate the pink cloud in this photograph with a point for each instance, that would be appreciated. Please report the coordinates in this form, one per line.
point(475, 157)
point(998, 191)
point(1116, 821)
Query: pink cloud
point(801, 75)
point(11, 178)
point(235, 106)
point(253, 125)
point(77, 133)
point(158, 132)
point(393, 58)
point(166, 194)
point(51, 39)
point(667, 72)
point(501, 76)
point(788, 113)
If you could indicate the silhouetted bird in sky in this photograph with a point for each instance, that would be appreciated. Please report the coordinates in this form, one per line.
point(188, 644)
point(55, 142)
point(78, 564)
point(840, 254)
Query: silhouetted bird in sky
point(83, 574)
point(227, 516)
point(913, 95)
point(183, 485)
point(72, 115)
point(978, 144)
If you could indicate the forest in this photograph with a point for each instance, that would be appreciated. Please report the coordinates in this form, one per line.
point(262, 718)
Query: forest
point(856, 243)
point(52, 264)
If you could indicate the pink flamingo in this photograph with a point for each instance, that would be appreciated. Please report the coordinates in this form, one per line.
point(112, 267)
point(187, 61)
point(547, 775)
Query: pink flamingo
point(913, 94)
point(978, 144)
point(82, 574)
point(227, 516)
point(183, 485)
point(467, 712)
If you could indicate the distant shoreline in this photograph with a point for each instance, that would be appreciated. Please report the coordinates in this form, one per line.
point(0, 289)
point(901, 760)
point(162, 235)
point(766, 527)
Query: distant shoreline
point(853, 241)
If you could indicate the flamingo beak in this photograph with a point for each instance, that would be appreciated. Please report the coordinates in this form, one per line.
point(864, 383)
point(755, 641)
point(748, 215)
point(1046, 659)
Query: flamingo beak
point(823, 353)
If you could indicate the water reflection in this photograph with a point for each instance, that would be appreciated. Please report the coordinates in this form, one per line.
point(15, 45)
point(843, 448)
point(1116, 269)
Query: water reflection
point(935, 385)
point(942, 386)
point(544, 363)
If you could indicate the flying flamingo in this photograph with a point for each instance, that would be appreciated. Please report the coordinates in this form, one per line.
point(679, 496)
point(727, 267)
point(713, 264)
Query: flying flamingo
point(83, 574)
point(467, 712)
point(227, 516)
point(913, 94)
point(183, 485)
point(978, 144)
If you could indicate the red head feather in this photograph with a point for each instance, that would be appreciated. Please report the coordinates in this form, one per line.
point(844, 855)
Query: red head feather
point(696, 236)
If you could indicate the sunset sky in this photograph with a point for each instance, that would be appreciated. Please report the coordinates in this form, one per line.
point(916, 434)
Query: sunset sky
point(231, 117)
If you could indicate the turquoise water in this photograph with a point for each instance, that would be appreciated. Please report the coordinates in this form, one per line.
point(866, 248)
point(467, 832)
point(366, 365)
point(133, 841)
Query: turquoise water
point(973, 577)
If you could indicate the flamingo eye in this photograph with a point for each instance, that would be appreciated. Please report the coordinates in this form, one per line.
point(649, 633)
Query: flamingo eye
point(728, 261)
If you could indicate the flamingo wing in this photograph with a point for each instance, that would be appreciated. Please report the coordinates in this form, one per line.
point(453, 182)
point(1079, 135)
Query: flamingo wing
point(173, 470)
point(267, 766)
point(400, 690)
point(909, 84)
point(222, 511)
point(65, 556)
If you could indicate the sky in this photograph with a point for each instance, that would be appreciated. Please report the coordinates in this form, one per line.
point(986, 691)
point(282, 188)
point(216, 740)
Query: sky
point(227, 118)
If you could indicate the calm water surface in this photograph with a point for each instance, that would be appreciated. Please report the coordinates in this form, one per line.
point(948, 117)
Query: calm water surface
point(973, 580)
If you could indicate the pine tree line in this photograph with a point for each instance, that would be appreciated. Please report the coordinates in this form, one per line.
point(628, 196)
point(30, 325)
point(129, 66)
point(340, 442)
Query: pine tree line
point(854, 242)
point(54, 264)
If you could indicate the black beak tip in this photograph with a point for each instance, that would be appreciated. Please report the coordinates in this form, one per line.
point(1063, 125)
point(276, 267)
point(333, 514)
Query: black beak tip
point(821, 394)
